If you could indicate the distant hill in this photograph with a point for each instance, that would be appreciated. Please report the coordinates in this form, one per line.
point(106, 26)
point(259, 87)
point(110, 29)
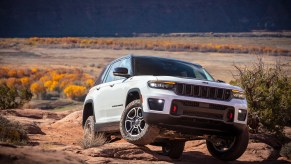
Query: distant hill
point(57, 18)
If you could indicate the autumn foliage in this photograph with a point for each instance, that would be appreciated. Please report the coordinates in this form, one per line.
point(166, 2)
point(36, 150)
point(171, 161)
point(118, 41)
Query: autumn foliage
point(67, 83)
point(75, 91)
point(144, 43)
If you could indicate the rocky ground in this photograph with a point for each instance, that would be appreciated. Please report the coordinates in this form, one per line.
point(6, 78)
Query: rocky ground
point(56, 138)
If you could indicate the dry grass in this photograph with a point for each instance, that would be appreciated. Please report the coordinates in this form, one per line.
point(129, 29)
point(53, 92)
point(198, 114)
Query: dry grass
point(188, 44)
point(12, 132)
point(99, 140)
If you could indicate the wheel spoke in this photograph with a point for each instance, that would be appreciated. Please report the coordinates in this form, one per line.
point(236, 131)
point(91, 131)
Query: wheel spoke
point(142, 124)
point(225, 146)
point(131, 114)
point(128, 125)
point(139, 113)
point(132, 131)
point(139, 129)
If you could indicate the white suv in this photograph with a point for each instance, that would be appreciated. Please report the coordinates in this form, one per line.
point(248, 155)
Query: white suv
point(166, 102)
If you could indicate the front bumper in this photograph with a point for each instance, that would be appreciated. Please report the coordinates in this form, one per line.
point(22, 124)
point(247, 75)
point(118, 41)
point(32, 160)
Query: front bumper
point(197, 116)
point(168, 97)
point(192, 126)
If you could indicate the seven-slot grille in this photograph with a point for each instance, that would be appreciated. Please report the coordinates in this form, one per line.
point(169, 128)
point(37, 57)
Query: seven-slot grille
point(203, 92)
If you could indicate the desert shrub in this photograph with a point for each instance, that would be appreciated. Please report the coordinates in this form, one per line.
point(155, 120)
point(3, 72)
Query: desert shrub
point(268, 93)
point(286, 150)
point(99, 140)
point(13, 97)
point(12, 132)
point(75, 92)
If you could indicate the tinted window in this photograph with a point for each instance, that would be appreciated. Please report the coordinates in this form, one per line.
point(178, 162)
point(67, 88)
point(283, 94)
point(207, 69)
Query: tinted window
point(110, 76)
point(168, 67)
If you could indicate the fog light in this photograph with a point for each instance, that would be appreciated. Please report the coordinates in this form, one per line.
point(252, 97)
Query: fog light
point(174, 109)
point(230, 116)
point(242, 114)
point(156, 104)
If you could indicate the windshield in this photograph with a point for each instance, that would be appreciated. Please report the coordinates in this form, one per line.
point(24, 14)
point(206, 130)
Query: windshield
point(169, 67)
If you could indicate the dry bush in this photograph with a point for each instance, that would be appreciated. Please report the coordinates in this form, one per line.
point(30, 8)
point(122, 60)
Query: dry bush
point(286, 150)
point(268, 93)
point(12, 132)
point(13, 97)
point(99, 140)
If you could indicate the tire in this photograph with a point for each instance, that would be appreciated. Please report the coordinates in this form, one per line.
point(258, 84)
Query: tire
point(173, 149)
point(92, 138)
point(236, 149)
point(133, 128)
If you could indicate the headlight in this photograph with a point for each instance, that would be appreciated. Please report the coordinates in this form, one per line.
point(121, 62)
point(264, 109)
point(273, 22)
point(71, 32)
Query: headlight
point(238, 94)
point(162, 84)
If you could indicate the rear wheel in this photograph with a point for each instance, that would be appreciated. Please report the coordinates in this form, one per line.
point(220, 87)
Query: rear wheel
point(230, 148)
point(92, 138)
point(173, 149)
point(133, 128)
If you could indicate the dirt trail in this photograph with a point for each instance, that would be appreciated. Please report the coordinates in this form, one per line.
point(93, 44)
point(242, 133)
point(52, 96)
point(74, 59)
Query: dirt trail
point(59, 135)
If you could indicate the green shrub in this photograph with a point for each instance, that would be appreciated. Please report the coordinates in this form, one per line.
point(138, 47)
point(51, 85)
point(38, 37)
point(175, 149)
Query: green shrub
point(268, 93)
point(13, 97)
point(12, 132)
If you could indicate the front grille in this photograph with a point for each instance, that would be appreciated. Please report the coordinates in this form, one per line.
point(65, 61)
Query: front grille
point(203, 105)
point(203, 92)
point(202, 110)
point(202, 114)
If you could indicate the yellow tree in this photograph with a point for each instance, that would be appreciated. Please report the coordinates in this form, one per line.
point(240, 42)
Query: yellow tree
point(51, 85)
point(89, 83)
point(38, 89)
point(12, 73)
point(75, 91)
point(25, 81)
point(12, 82)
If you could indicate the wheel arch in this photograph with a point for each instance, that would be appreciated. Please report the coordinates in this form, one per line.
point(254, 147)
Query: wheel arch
point(133, 94)
point(88, 110)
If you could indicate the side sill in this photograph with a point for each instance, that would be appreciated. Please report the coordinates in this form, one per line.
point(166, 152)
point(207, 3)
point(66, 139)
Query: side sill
point(106, 127)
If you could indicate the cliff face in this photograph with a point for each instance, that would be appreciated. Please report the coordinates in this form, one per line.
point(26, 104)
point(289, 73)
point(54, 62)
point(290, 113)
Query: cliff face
point(25, 18)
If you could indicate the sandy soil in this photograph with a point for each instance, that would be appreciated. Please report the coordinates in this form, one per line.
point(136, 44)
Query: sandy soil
point(218, 64)
point(59, 135)
point(56, 137)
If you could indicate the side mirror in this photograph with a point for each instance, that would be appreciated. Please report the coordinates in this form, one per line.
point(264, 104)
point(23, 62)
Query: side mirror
point(121, 71)
point(220, 81)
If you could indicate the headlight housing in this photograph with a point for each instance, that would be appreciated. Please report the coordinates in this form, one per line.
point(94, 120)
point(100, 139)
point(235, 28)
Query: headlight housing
point(162, 84)
point(238, 94)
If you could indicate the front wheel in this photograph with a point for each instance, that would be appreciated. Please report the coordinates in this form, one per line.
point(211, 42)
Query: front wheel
point(133, 128)
point(173, 149)
point(230, 148)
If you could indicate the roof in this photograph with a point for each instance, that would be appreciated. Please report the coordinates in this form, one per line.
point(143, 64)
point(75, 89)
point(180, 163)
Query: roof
point(141, 56)
point(135, 56)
